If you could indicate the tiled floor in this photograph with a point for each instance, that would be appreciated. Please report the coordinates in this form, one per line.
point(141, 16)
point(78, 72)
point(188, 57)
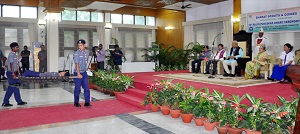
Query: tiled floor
point(131, 123)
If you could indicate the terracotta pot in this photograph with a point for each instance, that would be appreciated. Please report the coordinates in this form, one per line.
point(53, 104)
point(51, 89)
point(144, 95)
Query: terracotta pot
point(97, 88)
point(116, 93)
point(235, 130)
point(154, 108)
point(175, 113)
point(111, 93)
point(209, 126)
point(199, 121)
point(252, 132)
point(106, 92)
point(165, 110)
point(91, 86)
point(187, 118)
point(221, 130)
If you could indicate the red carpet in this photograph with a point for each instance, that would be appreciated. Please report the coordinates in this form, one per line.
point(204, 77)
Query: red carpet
point(268, 92)
point(25, 117)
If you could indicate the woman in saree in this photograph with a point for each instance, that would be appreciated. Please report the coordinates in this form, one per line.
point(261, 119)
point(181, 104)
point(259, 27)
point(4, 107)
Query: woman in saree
point(253, 67)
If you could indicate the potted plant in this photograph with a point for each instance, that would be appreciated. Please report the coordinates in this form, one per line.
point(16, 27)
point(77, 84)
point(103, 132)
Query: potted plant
point(175, 99)
point(255, 116)
point(212, 114)
point(164, 95)
point(187, 104)
point(199, 111)
point(234, 120)
point(152, 99)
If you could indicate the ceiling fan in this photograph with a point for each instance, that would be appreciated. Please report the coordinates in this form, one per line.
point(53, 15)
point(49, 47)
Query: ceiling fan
point(185, 6)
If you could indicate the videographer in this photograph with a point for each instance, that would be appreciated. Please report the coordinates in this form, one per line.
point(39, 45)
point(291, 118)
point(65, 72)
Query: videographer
point(118, 56)
point(100, 57)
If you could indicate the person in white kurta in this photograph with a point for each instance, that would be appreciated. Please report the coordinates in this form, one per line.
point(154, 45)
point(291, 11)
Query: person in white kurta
point(260, 40)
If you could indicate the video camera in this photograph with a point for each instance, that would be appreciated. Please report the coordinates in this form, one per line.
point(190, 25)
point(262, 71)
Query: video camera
point(95, 48)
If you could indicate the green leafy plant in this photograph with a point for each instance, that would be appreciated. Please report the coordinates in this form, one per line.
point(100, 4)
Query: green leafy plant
point(199, 109)
point(188, 100)
point(236, 110)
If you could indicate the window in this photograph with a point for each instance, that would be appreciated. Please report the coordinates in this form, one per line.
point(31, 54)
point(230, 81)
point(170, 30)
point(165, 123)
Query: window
point(68, 15)
point(97, 17)
point(26, 38)
point(116, 18)
point(150, 21)
point(10, 36)
point(11, 11)
point(29, 12)
point(127, 19)
point(83, 16)
point(69, 39)
point(140, 20)
point(95, 39)
point(84, 35)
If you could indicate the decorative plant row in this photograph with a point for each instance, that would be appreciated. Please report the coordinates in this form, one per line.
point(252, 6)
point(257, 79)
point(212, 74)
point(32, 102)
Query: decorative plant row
point(227, 114)
point(171, 58)
point(111, 81)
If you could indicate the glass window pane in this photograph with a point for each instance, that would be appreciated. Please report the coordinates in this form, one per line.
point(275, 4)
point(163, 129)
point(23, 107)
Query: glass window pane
point(11, 11)
point(139, 20)
point(150, 21)
point(69, 39)
point(29, 12)
point(97, 17)
point(83, 16)
point(127, 19)
point(26, 38)
point(95, 39)
point(84, 35)
point(116, 18)
point(10, 36)
point(68, 15)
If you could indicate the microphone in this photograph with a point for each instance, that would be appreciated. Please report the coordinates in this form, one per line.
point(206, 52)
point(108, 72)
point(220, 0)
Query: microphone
point(215, 38)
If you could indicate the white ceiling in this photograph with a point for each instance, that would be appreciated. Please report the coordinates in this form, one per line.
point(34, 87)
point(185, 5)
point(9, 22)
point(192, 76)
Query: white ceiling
point(104, 6)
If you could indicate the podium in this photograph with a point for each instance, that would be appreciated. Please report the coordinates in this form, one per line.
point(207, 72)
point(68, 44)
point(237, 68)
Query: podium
point(294, 73)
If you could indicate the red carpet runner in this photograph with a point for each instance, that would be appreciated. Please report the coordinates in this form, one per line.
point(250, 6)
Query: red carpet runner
point(25, 117)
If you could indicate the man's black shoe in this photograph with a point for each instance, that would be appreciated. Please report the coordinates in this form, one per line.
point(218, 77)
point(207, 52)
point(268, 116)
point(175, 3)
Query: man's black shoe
point(232, 75)
point(213, 73)
point(77, 105)
point(22, 103)
point(207, 73)
point(6, 105)
point(87, 104)
point(226, 74)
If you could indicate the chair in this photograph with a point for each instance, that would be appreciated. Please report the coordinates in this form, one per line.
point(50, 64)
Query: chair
point(202, 67)
point(266, 68)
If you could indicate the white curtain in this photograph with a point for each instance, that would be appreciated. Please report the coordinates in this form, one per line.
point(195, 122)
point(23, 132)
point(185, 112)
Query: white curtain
point(33, 32)
point(228, 32)
point(101, 36)
point(188, 35)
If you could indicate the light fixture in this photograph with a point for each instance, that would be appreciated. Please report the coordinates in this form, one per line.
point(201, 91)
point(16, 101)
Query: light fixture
point(169, 28)
point(235, 20)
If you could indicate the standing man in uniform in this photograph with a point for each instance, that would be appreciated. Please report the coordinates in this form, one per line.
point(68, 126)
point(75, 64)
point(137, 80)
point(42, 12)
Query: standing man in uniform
point(259, 41)
point(81, 59)
point(25, 59)
point(42, 55)
point(100, 57)
point(12, 73)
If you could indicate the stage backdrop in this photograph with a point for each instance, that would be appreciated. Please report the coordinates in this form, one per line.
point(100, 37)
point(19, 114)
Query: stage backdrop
point(274, 20)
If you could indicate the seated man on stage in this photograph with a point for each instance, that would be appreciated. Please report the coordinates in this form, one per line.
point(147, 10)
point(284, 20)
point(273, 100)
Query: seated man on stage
point(219, 56)
point(233, 55)
point(205, 54)
point(29, 73)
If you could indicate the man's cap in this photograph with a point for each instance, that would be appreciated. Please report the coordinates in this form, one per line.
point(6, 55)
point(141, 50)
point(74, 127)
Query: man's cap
point(14, 44)
point(261, 30)
point(81, 41)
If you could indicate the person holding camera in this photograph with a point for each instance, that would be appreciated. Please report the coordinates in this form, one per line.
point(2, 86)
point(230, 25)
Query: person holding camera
point(100, 57)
